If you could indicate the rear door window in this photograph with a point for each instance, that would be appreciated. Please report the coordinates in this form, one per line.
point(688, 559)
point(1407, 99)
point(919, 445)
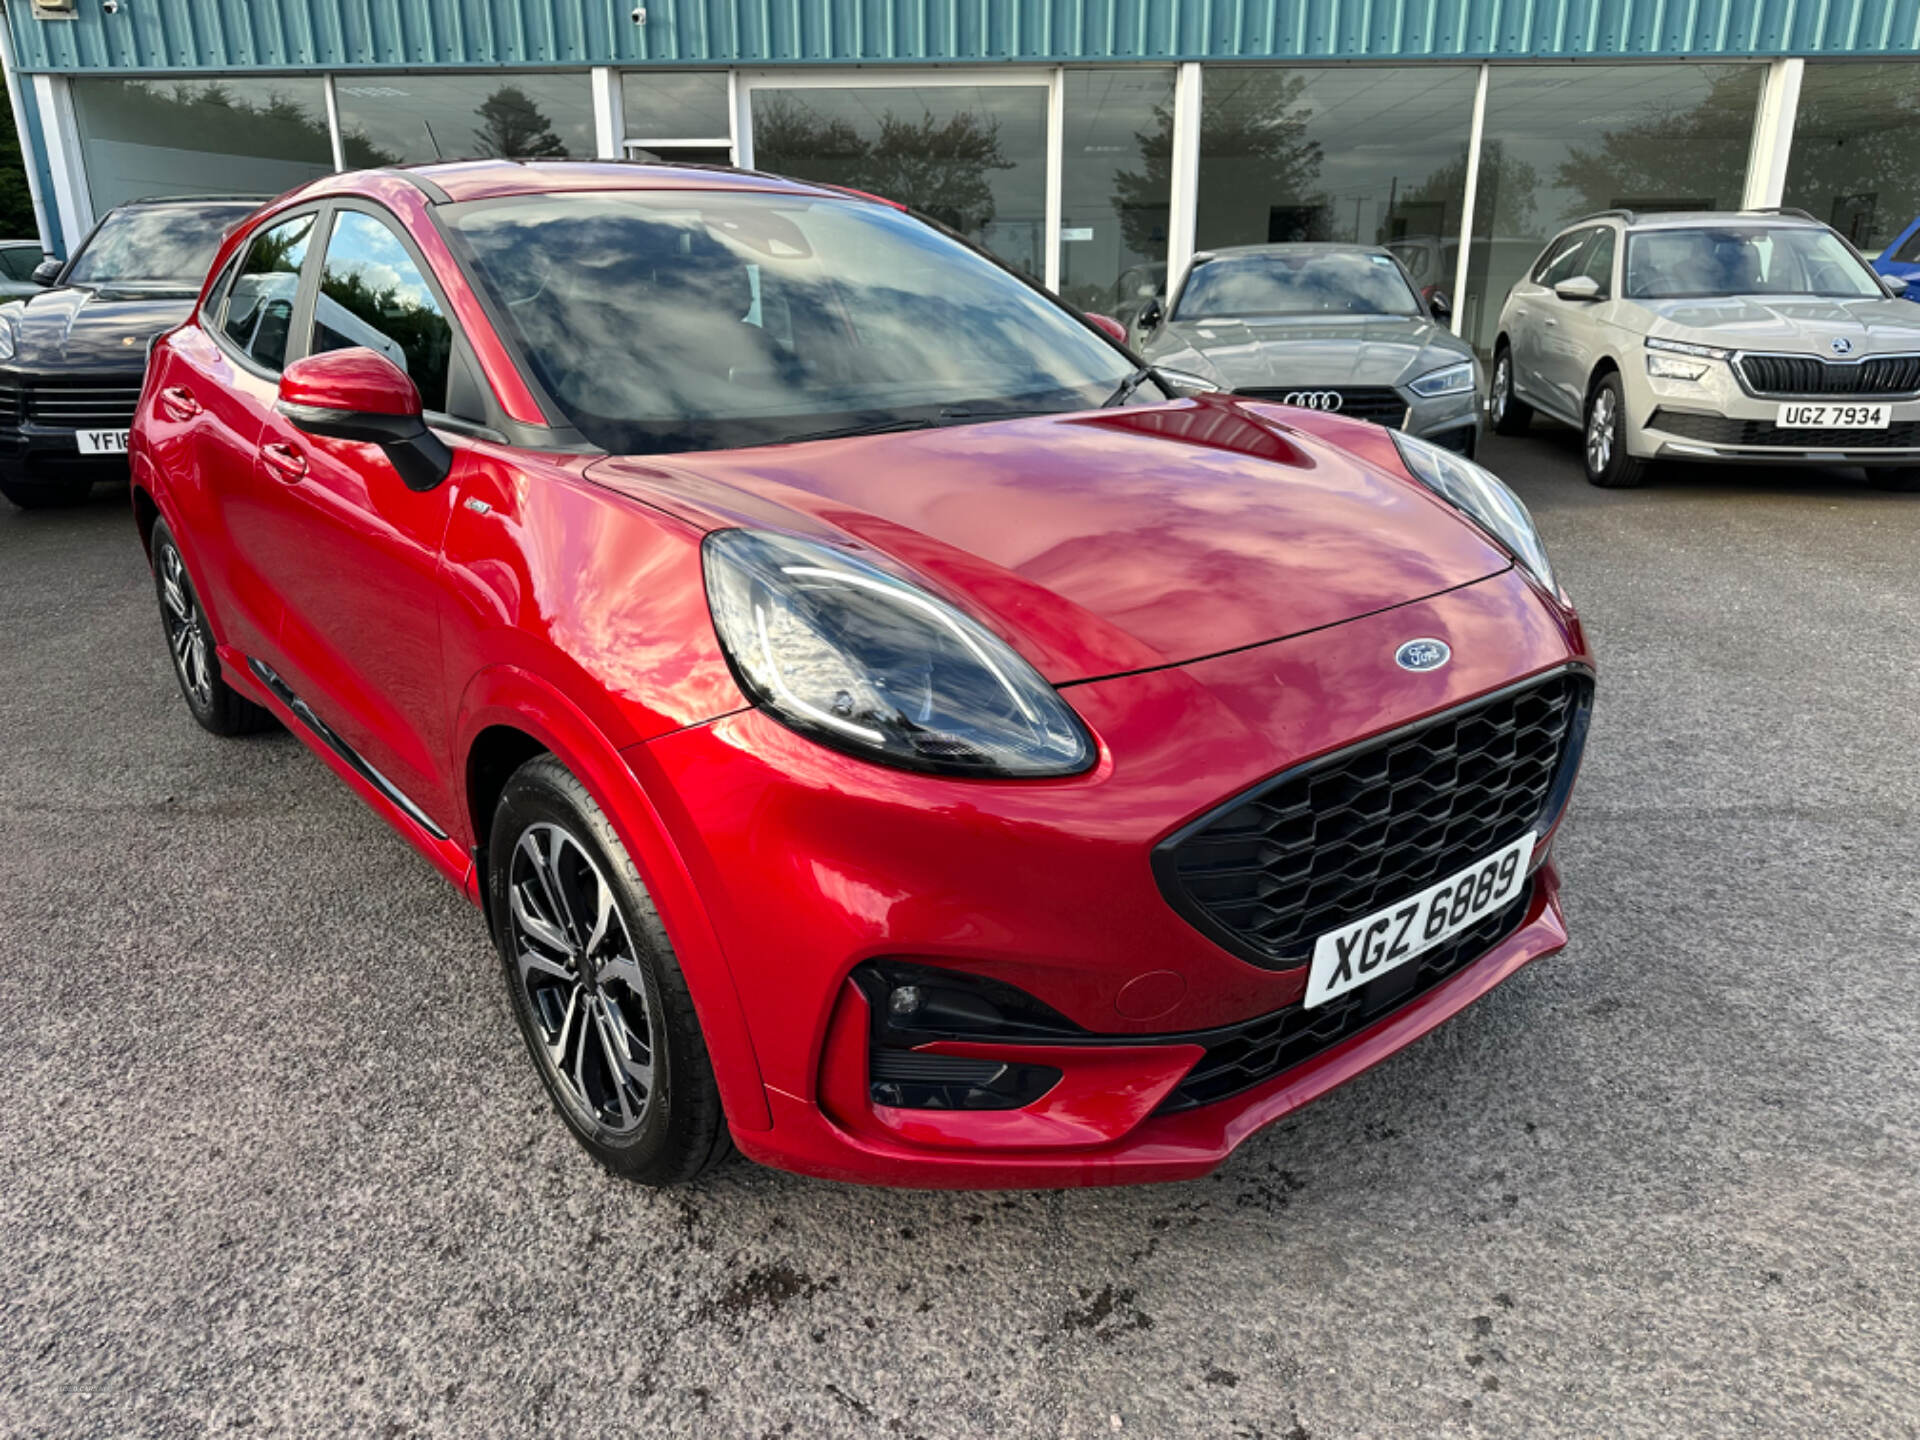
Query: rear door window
point(259, 312)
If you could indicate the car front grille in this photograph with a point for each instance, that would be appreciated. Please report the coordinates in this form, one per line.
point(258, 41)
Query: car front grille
point(1340, 837)
point(1724, 430)
point(1381, 404)
point(10, 409)
point(1790, 376)
point(82, 407)
point(1239, 1057)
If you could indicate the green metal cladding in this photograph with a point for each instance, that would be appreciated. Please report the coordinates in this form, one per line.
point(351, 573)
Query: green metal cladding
point(189, 35)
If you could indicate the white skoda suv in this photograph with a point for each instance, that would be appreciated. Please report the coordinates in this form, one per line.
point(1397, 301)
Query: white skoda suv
point(1756, 337)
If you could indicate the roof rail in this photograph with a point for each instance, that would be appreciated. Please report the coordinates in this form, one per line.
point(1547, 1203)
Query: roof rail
point(1793, 210)
point(1619, 211)
point(197, 200)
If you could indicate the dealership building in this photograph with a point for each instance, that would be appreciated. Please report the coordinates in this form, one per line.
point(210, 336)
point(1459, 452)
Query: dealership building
point(1095, 144)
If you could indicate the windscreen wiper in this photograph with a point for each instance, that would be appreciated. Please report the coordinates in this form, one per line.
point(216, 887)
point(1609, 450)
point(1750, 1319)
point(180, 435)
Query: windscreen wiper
point(870, 427)
point(1124, 391)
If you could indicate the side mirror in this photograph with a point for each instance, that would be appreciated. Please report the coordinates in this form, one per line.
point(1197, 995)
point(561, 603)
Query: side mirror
point(1109, 327)
point(47, 271)
point(361, 395)
point(1581, 289)
point(1152, 313)
point(1896, 284)
point(1438, 305)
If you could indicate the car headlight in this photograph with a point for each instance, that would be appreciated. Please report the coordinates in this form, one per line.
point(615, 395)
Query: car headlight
point(1185, 382)
point(6, 339)
point(1675, 367)
point(858, 659)
point(1453, 380)
point(1483, 497)
point(1681, 347)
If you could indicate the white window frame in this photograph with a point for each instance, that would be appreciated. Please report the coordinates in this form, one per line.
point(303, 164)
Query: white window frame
point(1050, 79)
point(625, 146)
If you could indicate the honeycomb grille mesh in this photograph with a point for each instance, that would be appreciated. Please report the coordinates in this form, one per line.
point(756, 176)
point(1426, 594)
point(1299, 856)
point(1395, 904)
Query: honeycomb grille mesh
point(1339, 838)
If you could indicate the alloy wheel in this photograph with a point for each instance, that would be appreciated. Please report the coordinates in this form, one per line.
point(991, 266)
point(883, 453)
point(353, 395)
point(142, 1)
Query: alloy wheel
point(1600, 432)
point(581, 979)
point(186, 636)
point(1497, 396)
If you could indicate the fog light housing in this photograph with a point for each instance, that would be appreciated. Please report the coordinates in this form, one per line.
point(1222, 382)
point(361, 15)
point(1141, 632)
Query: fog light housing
point(914, 1080)
point(913, 1006)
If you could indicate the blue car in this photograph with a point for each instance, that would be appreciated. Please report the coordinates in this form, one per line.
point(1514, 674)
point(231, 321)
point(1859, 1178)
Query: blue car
point(1901, 259)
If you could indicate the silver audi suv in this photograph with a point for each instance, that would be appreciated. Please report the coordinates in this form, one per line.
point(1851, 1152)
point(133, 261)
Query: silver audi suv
point(1328, 327)
point(1760, 337)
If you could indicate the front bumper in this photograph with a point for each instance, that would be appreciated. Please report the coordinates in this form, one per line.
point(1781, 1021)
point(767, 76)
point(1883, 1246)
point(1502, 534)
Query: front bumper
point(47, 454)
point(811, 865)
point(1715, 420)
point(1451, 422)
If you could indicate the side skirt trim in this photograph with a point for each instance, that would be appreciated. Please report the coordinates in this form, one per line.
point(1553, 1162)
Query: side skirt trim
point(265, 674)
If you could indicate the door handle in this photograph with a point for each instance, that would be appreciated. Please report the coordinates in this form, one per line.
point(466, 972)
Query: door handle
point(284, 461)
point(179, 403)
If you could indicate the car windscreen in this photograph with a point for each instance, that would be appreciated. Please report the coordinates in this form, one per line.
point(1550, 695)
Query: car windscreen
point(1336, 283)
point(693, 320)
point(154, 246)
point(1724, 260)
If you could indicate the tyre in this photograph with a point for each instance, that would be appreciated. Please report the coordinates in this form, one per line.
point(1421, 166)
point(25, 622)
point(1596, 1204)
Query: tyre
point(61, 494)
point(1604, 439)
point(215, 704)
point(1904, 478)
point(595, 988)
point(1509, 413)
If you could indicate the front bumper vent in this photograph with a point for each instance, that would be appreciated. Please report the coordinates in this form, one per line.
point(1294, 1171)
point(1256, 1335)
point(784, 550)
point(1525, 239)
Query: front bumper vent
point(1239, 1057)
point(1725, 430)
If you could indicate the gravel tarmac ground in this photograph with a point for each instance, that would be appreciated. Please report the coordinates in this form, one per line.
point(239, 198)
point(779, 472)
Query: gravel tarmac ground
point(275, 1162)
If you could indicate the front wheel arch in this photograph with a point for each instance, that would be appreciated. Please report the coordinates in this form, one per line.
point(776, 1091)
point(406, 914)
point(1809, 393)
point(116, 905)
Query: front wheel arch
point(514, 709)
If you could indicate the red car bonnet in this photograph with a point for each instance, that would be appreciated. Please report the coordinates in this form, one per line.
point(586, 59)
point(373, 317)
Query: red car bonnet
point(1099, 543)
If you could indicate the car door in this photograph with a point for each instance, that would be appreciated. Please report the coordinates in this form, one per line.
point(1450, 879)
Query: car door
point(1531, 313)
point(210, 402)
point(355, 552)
point(1573, 339)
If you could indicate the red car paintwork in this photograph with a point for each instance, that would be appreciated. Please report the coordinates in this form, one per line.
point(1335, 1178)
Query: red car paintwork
point(1216, 586)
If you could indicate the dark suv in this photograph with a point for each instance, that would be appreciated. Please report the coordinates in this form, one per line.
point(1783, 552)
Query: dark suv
point(73, 356)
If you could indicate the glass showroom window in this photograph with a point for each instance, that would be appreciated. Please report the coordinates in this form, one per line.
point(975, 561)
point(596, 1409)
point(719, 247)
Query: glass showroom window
point(677, 115)
point(974, 157)
point(1361, 155)
point(403, 119)
point(1116, 148)
point(200, 137)
point(1855, 161)
point(1562, 141)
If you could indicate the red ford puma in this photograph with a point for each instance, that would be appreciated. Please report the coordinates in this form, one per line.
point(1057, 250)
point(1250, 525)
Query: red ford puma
point(883, 726)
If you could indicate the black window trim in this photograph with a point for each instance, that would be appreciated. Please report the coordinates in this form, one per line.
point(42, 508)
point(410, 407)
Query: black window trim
point(460, 353)
point(213, 314)
point(1585, 234)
